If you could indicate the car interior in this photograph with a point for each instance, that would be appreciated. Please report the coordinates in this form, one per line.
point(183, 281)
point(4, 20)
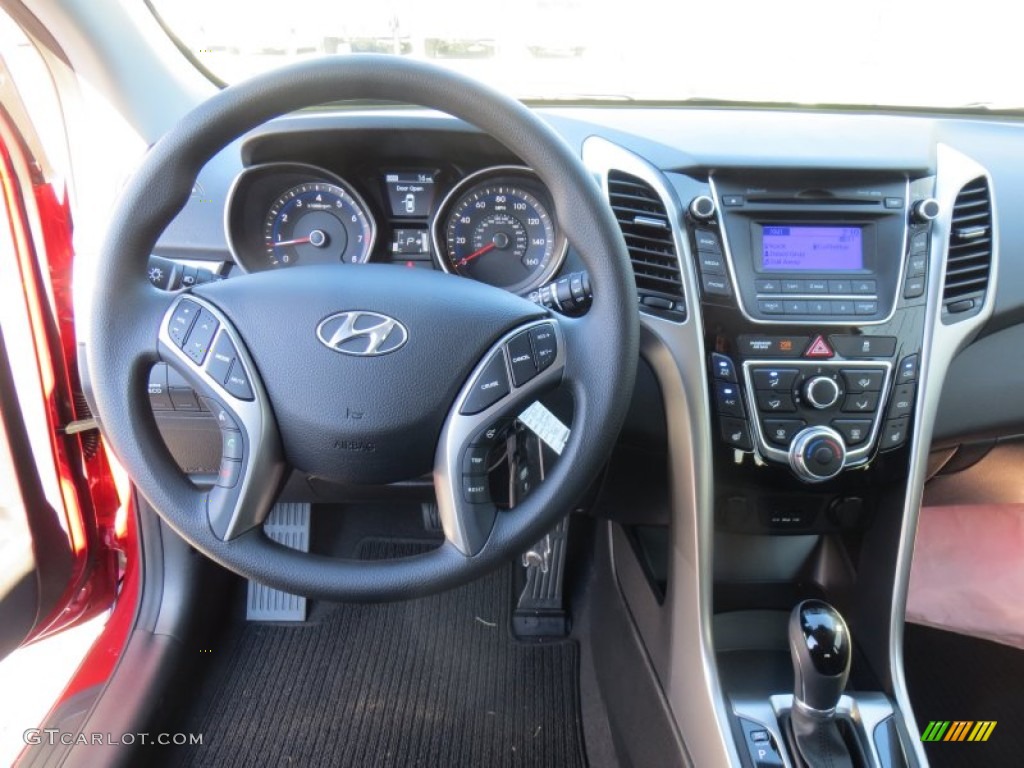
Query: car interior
point(463, 426)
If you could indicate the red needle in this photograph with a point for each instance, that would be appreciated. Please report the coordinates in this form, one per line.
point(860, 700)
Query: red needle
point(466, 259)
point(297, 241)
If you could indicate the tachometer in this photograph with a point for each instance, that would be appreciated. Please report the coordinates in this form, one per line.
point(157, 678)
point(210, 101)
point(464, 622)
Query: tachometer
point(495, 228)
point(318, 223)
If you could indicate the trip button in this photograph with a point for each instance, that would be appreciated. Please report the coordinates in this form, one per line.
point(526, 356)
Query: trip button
point(727, 396)
point(520, 354)
point(489, 387)
point(782, 431)
point(237, 382)
point(902, 401)
point(181, 321)
point(221, 358)
point(197, 344)
point(545, 345)
point(775, 402)
point(863, 379)
point(474, 462)
point(854, 431)
point(865, 402)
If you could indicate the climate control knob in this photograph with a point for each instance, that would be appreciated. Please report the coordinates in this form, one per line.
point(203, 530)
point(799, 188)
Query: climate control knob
point(821, 391)
point(817, 454)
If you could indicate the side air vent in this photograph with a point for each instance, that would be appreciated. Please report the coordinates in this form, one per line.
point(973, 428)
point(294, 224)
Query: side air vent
point(970, 250)
point(648, 233)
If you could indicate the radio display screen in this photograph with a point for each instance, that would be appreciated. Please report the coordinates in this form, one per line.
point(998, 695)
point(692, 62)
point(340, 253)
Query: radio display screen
point(804, 248)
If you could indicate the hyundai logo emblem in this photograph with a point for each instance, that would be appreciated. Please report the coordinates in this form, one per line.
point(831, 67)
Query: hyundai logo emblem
point(363, 334)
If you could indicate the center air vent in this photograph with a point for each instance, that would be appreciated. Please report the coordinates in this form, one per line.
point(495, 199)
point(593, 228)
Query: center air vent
point(648, 233)
point(969, 262)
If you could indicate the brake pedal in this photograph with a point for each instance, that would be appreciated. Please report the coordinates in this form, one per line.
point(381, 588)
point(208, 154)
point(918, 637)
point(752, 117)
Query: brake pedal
point(287, 524)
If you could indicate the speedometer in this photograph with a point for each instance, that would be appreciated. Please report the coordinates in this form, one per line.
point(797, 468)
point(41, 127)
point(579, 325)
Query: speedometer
point(317, 223)
point(496, 227)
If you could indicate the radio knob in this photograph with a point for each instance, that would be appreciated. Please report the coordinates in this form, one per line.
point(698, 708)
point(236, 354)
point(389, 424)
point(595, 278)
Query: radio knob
point(925, 210)
point(821, 392)
point(817, 454)
point(702, 208)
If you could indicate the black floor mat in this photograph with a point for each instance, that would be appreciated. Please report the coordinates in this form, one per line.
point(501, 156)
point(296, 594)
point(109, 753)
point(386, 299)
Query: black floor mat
point(438, 681)
point(952, 677)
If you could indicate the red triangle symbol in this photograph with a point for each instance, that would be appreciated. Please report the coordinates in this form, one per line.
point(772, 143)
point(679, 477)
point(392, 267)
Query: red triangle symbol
point(819, 348)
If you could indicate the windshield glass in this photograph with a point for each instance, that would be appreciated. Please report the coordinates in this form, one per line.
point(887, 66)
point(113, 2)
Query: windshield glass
point(871, 52)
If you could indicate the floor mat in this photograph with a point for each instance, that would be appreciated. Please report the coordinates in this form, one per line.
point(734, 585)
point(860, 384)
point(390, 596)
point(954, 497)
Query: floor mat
point(953, 677)
point(438, 681)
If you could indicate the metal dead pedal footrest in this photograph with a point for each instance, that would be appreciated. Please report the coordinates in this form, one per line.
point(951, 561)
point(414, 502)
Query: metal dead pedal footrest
point(287, 524)
point(540, 611)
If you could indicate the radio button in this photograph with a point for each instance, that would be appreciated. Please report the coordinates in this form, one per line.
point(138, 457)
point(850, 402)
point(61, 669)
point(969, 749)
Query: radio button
point(782, 431)
point(842, 307)
point(771, 346)
point(854, 431)
point(839, 286)
point(707, 241)
point(864, 346)
point(817, 286)
point(771, 306)
point(865, 402)
point(793, 286)
point(776, 379)
point(795, 307)
point(732, 201)
point(865, 307)
point(863, 379)
point(864, 287)
point(775, 402)
point(767, 286)
point(818, 307)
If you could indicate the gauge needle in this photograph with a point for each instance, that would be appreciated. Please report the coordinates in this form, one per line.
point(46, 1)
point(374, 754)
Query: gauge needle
point(296, 241)
point(466, 259)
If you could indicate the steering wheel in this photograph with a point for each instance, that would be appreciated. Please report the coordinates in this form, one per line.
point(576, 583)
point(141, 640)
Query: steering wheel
point(428, 361)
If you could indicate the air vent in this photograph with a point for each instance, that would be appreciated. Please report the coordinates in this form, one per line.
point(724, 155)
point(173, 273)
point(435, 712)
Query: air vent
point(970, 249)
point(648, 233)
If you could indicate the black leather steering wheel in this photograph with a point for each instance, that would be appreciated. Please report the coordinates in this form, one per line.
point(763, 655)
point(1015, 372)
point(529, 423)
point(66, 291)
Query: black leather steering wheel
point(268, 351)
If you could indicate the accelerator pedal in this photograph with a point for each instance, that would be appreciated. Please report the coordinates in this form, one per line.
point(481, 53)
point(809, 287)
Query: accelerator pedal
point(287, 524)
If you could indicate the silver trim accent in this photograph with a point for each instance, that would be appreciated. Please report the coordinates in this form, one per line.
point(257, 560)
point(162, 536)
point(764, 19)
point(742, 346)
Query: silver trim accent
point(798, 462)
point(941, 344)
point(810, 392)
point(856, 319)
point(263, 464)
point(689, 674)
point(854, 456)
point(377, 336)
point(328, 178)
point(460, 429)
point(921, 215)
point(694, 208)
point(561, 245)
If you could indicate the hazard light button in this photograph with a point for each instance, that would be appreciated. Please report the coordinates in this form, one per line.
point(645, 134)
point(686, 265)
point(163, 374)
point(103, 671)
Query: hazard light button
point(819, 348)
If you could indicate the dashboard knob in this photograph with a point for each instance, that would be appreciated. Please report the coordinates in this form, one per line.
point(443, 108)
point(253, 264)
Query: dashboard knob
point(925, 210)
point(817, 454)
point(702, 208)
point(821, 392)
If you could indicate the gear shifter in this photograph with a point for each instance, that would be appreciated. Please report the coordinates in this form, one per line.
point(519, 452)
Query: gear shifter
point(819, 642)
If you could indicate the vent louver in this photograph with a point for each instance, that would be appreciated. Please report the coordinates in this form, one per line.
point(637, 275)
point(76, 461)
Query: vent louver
point(648, 233)
point(969, 261)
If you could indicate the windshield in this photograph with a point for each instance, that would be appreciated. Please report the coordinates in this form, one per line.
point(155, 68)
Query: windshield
point(871, 52)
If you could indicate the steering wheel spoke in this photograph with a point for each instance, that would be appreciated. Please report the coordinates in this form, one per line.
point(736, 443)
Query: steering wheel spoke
point(521, 366)
point(200, 342)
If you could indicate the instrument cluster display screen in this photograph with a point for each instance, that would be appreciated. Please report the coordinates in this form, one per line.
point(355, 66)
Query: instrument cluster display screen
point(803, 248)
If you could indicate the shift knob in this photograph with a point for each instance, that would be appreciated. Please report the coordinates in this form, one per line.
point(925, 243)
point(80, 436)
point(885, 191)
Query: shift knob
point(819, 642)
